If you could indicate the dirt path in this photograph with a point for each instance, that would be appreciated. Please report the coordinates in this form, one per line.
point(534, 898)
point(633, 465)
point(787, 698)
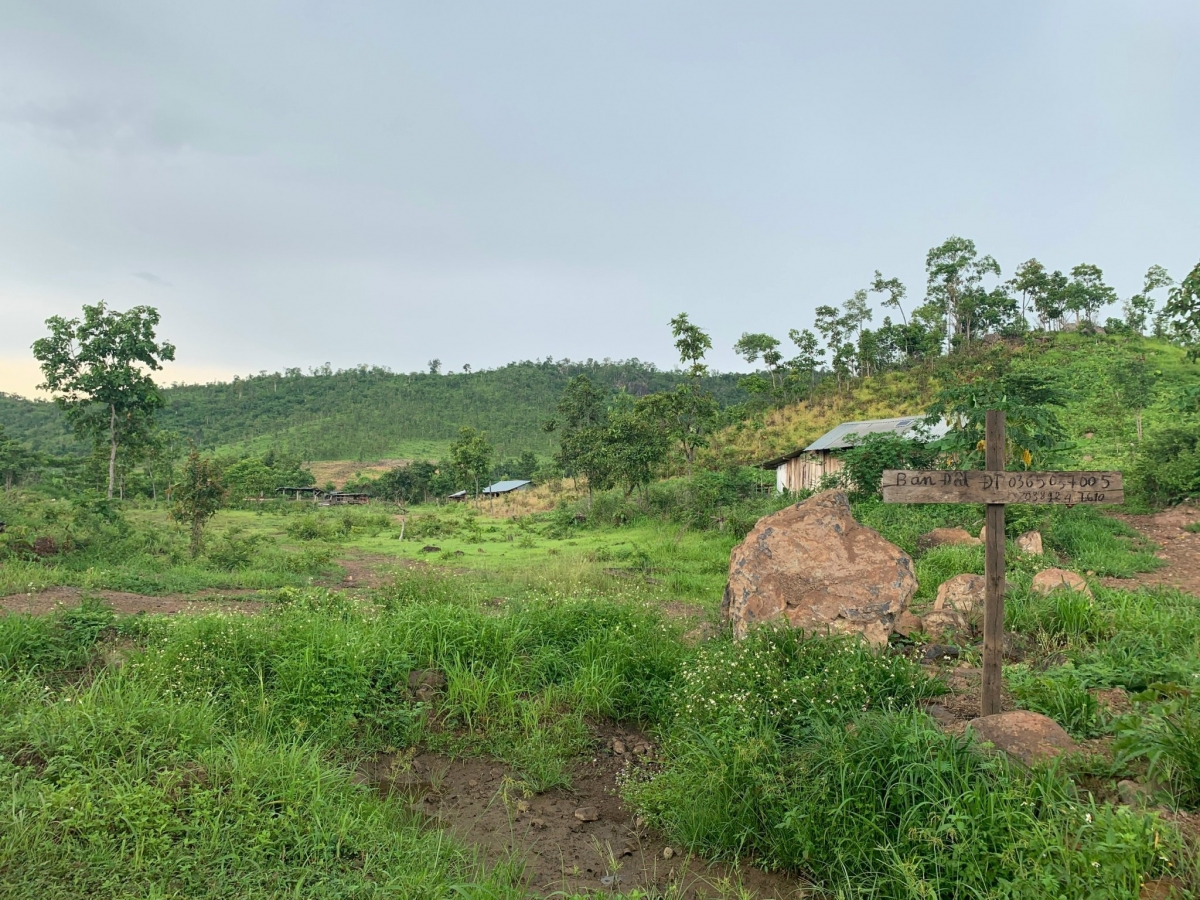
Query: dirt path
point(581, 840)
point(51, 599)
point(1179, 549)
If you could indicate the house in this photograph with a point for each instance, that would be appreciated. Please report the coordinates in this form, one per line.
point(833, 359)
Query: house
point(458, 496)
point(506, 487)
point(341, 498)
point(803, 470)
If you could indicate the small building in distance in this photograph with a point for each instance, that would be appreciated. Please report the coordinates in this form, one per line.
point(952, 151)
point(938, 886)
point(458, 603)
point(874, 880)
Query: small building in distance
point(506, 487)
point(803, 470)
point(458, 496)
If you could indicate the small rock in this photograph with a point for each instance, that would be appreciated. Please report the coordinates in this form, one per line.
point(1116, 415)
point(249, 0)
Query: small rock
point(522, 806)
point(934, 652)
point(964, 593)
point(1027, 736)
point(1133, 794)
point(940, 714)
point(537, 823)
point(474, 782)
point(587, 814)
point(945, 536)
point(643, 749)
point(627, 850)
point(1031, 542)
point(1050, 580)
point(945, 625)
point(429, 548)
point(907, 623)
point(618, 746)
point(638, 822)
point(668, 852)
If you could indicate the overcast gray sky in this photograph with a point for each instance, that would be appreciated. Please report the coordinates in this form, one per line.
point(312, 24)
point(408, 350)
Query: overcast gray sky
point(295, 183)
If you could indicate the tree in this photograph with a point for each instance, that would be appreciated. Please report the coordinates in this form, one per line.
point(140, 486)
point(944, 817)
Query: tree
point(633, 442)
point(684, 416)
point(1030, 281)
point(857, 314)
point(198, 495)
point(1182, 313)
point(807, 360)
point(1087, 293)
point(1140, 307)
point(752, 346)
point(15, 459)
point(692, 344)
point(955, 274)
point(435, 367)
point(580, 419)
point(97, 370)
point(471, 455)
point(896, 291)
point(832, 327)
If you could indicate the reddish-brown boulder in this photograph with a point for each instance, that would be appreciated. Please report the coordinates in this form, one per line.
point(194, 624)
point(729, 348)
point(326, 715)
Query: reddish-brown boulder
point(811, 566)
point(1026, 736)
point(1031, 542)
point(908, 624)
point(962, 592)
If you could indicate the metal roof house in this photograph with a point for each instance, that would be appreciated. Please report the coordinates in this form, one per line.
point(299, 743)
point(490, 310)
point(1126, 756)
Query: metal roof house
point(505, 487)
point(804, 469)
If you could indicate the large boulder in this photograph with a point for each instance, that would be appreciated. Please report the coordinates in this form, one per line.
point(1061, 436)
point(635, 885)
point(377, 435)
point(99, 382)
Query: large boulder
point(811, 566)
point(1049, 580)
point(1027, 736)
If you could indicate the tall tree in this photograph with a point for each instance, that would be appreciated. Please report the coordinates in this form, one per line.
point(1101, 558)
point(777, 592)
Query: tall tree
point(1140, 307)
point(955, 273)
point(895, 290)
point(1087, 293)
point(753, 346)
point(98, 369)
point(15, 459)
point(471, 455)
point(579, 422)
point(688, 412)
point(1182, 313)
point(1030, 281)
point(807, 361)
point(692, 344)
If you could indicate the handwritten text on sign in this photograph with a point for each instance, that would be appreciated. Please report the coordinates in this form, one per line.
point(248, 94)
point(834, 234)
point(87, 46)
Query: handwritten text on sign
point(1067, 488)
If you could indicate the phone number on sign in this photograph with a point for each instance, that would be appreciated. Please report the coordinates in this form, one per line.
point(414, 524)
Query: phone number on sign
point(1034, 481)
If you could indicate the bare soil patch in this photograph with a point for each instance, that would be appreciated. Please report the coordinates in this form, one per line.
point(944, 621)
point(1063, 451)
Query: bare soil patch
point(1179, 549)
point(52, 599)
point(580, 840)
point(341, 471)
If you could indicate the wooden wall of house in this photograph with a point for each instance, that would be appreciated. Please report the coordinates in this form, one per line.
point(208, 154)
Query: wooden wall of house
point(804, 473)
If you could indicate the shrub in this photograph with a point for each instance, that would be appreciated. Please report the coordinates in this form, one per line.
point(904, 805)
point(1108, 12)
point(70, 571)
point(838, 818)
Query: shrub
point(1060, 694)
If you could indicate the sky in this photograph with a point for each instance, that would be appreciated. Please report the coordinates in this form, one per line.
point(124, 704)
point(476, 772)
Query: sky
point(298, 183)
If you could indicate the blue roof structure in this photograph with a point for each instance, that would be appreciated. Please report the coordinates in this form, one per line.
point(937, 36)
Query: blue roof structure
point(840, 437)
point(504, 487)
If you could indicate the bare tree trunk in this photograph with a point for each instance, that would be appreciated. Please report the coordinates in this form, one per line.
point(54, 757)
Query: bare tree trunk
point(1139, 426)
point(112, 453)
point(153, 485)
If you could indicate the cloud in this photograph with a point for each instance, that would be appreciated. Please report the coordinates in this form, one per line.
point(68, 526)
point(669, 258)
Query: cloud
point(152, 278)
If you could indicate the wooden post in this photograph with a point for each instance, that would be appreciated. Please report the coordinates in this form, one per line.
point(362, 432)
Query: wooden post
point(993, 614)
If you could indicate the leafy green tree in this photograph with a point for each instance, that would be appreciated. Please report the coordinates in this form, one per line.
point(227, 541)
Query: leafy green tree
point(1030, 281)
point(692, 344)
point(1182, 313)
point(955, 274)
point(198, 495)
point(685, 417)
point(634, 444)
point(1140, 307)
point(471, 456)
point(99, 368)
point(1087, 293)
point(15, 459)
point(1029, 399)
point(249, 477)
point(579, 423)
point(856, 314)
point(896, 291)
point(752, 346)
point(807, 362)
point(412, 483)
point(864, 463)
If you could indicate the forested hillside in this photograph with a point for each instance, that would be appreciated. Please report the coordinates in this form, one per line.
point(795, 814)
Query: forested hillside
point(368, 412)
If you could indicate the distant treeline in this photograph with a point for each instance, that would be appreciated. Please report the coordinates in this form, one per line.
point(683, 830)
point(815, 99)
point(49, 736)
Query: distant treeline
point(366, 412)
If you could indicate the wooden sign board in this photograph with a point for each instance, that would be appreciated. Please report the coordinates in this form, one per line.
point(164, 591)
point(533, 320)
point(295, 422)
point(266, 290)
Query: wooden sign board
point(1055, 488)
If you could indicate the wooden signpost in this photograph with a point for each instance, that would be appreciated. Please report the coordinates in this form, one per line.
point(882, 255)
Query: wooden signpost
point(995, 487)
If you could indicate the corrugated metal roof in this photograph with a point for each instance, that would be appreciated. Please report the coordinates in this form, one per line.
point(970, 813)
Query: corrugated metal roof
point(838, 438)
point(503, 487)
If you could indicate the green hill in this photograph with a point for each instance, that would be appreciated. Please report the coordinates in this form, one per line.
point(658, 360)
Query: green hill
point(368, 413)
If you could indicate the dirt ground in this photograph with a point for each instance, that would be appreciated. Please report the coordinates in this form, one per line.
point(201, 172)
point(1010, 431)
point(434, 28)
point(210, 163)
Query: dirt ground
point(1179, 549)
point(341, 471)
point(580, 840)
point(47, 601)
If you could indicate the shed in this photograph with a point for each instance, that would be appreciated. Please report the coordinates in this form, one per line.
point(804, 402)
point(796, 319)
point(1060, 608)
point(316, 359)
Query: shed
point(458, 496)
point(298, 493)
point(804, 469)
point(506, 487)
point(341, 498)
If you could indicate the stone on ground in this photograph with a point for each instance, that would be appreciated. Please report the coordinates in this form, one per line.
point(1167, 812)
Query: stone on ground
point(964, 593)
point(1026, 736)
point(1030, 542)
point(811, 566)
point(946, 625)
point(907, 623)
point(940, 537)
point(1050, 580)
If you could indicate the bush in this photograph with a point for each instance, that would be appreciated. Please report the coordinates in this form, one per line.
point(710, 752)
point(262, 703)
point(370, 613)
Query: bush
point(1167, 468)
point(1060, 694)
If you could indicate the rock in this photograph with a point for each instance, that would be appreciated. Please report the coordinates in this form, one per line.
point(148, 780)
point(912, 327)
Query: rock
point(537, 823)
point(587, 814)
point(1163, 889)
point(964, 593)
point(1026, 736)
point(424, 684)
point(934, 652)
point(811, 566)
point(1030, 542)
point(522, 806)
point(908, 624)
point(940, 537)
point(668, 852)
point(946, 625)
point(618, 746)
point(1050, 580)
point(940, 714)
point(643, 749)
point(1133, 794)
point(429, 548)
